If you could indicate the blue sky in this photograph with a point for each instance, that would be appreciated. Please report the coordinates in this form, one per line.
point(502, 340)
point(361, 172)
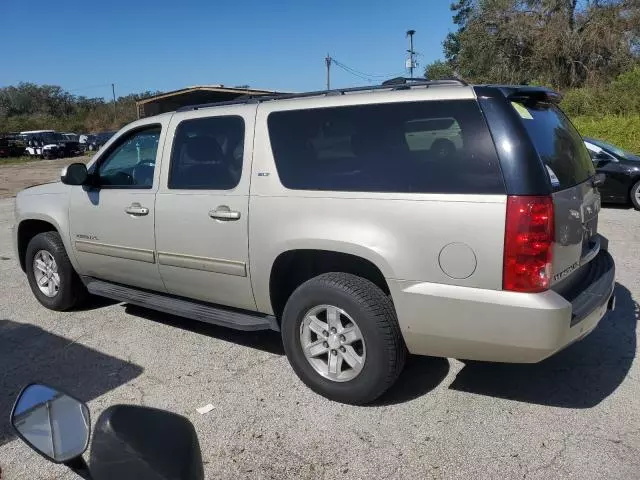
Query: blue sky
point(165, 45)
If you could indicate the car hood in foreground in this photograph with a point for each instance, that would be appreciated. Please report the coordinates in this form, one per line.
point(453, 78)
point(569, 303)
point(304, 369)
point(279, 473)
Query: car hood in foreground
point(46, 189)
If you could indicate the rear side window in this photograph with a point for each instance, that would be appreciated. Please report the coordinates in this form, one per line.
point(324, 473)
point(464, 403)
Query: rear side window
point(411, 147)
point(207, 154)
point(558, 144)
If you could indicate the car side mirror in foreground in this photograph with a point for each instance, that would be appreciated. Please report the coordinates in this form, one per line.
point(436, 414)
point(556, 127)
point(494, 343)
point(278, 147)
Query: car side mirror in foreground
point(54, 424)
point(129, 442)
point(74, 174)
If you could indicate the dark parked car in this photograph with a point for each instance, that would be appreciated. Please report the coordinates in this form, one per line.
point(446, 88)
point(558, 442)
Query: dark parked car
point(11, 146)
point(94, 142)
point(621, 169)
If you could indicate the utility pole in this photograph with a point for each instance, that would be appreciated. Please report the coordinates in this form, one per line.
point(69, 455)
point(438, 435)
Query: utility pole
point(328, 62)
point(113, 91)
point(411, 63)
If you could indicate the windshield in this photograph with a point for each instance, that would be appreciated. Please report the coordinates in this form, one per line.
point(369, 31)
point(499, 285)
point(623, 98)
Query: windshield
point(558, 144)
point(104, 136)
point(617, 151)
point(52, 137)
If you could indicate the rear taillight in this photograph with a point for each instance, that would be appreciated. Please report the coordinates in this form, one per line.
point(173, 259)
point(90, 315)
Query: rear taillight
point(528, 244)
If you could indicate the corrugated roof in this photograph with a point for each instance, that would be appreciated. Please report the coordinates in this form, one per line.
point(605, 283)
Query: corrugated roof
point(209, 88)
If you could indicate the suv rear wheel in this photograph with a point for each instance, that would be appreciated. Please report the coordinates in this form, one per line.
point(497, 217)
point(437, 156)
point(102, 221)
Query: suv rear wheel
point(342, 338)
point(51, 276)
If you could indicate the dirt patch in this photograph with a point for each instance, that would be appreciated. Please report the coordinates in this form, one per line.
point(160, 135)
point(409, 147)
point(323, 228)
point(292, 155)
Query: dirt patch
point(18, 176)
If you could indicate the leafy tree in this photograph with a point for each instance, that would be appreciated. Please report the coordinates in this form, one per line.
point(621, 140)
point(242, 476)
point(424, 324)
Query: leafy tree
point(438, 70)
point(28, 106)
point(463, 10)
point(562, 43)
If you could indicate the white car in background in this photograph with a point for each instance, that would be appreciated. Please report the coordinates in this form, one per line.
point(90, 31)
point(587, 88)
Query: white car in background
point(42, 143)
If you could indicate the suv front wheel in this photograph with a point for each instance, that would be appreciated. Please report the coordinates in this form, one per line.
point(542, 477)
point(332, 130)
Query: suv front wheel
point(342, 338)
point(51, 276)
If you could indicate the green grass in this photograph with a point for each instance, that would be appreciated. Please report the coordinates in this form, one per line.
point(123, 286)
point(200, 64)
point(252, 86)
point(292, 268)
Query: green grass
point(12, 160)
point(620, 130)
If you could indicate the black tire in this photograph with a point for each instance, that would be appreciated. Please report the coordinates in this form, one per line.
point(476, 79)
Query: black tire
point(375, 316)
point(443, 148)
point(71, 291)
point(635, 195)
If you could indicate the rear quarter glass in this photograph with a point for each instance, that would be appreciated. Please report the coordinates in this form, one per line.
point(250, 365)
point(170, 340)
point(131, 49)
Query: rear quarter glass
point(558, 144)
point(404, 147)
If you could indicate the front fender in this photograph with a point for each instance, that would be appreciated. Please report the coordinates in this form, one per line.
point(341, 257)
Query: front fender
point(52, 208)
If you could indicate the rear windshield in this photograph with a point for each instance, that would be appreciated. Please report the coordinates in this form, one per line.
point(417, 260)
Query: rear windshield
point(410, 147)
point(558, 144)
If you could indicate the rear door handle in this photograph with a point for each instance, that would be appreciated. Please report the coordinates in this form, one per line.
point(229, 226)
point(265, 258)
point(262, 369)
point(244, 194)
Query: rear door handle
point(137, 210)
point(224, 213)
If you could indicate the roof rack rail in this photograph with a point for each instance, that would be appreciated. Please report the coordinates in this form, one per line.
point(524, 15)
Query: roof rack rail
point(399, 83)
point(440, 81)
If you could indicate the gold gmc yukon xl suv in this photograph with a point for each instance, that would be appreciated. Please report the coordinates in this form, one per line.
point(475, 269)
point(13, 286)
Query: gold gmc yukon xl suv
point(435, 218)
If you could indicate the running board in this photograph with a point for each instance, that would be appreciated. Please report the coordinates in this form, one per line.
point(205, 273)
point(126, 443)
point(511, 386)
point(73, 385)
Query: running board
point(231, 318)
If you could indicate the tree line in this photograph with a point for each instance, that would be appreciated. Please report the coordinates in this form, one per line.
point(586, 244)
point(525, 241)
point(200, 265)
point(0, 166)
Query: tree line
point(28, 106)
point(587, 49)
point(563, 44)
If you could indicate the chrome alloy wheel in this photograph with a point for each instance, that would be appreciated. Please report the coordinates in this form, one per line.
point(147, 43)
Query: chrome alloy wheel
point(332, 343)
point(45, 271)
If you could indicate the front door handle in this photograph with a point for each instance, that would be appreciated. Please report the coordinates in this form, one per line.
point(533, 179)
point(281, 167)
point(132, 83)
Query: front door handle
point(224, 213)
point(137, 210)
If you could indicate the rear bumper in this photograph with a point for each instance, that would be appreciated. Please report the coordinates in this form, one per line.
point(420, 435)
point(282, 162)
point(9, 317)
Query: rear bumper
point(492, 325)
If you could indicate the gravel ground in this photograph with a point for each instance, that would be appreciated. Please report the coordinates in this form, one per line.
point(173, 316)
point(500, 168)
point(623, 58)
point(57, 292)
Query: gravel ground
point(17, 176)
point(576, 415)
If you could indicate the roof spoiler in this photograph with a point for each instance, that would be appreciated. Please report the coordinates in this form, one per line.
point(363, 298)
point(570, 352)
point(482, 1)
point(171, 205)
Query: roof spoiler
point(533, 95)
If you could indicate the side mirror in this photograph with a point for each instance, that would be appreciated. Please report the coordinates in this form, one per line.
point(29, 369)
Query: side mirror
point(74, 174)
point(52, 423)
point(604, 158)
point(141, 442)
point(598, 179)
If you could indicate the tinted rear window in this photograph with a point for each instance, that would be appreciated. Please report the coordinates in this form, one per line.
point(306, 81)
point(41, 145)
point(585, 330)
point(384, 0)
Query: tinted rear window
point(558, 144)
point(413, 147)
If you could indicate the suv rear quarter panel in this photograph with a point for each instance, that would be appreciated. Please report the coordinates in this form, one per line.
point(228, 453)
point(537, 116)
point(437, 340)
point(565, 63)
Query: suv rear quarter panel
point(407, 236)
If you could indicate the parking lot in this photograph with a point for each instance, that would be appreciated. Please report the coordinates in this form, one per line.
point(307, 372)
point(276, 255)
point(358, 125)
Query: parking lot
point(15, 177)
point(576, 415)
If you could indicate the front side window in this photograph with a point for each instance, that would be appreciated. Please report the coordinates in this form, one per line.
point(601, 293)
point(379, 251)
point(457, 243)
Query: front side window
point(620, 153)
point(408, 147)
point(207, 154)
point(131, 162)
point(597, 154)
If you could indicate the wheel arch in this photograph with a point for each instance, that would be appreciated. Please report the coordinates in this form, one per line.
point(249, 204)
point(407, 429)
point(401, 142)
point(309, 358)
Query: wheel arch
point(293, 267)
point(29, 228)
point(634, 180)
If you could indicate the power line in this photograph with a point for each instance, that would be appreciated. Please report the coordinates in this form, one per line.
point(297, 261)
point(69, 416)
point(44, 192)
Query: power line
point(346, 69)
point(361, 74)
